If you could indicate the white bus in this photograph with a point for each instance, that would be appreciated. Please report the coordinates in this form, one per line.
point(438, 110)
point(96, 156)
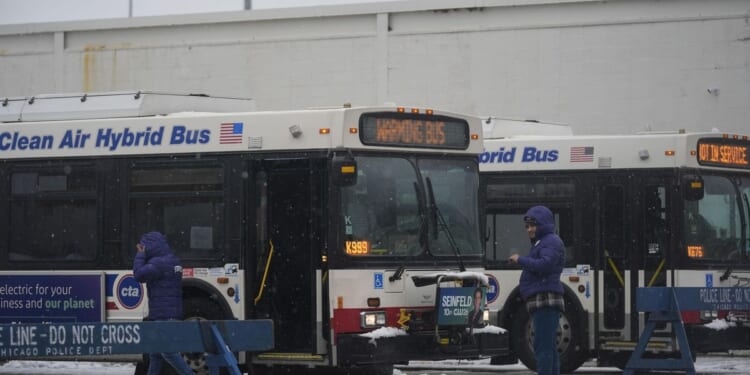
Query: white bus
point(668, 209)
point(345, 226)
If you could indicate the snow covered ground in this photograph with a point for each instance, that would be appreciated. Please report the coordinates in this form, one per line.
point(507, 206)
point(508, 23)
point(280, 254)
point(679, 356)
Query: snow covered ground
point(704, 365)
point(66, 368)
point(723, 364)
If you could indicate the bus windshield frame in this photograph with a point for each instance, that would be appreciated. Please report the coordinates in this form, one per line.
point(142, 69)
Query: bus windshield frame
point(388, 211)
point(717, 226)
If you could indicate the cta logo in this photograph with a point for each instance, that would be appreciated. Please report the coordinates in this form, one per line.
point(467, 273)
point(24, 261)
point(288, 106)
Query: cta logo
point(494, 290)
point(129, 292)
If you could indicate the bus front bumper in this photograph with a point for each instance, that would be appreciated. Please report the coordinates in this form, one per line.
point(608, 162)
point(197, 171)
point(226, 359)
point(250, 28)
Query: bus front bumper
point(704, 340)
point(356, 350)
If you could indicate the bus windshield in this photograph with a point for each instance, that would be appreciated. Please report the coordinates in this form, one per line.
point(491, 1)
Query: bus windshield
point(716, 226)
point(385, 212)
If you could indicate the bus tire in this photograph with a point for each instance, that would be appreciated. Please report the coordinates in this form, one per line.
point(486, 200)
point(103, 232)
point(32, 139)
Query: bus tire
point(569, 339)
point(200, 308)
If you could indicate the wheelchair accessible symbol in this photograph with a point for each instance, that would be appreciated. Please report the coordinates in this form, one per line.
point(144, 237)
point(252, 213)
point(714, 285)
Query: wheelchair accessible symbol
point(378, 280)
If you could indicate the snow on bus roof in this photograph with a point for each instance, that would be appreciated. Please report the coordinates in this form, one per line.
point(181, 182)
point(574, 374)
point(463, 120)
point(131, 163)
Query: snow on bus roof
point(465, 275)
point(497, 127)
point(79, 106)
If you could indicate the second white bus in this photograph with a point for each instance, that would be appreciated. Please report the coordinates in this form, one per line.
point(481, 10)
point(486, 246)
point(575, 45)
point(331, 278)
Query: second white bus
point(667, 209)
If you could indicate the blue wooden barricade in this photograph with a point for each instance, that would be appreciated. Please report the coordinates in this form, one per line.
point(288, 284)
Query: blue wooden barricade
point(663, 306)
point(219, 339)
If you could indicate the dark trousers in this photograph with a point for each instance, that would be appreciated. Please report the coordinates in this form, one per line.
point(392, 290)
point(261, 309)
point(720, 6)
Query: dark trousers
point(546, 320)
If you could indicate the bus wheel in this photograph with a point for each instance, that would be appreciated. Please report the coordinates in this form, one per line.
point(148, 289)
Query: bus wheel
point(200, 308)
point(569, 339)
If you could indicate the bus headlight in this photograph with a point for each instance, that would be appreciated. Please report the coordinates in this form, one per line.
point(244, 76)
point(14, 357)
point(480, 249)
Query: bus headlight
point(372, 319)
point(709, 314)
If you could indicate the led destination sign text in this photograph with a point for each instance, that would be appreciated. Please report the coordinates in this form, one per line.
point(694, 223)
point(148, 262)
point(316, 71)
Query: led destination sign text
point(410, 131)
point(723, 153)
point(398, 129)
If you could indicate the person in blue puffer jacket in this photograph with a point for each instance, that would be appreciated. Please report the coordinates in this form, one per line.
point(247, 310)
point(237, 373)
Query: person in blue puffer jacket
point(160, 269)
point(540, 285)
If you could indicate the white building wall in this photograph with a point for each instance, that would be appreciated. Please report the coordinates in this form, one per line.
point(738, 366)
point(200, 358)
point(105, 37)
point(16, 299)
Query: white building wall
point(603, 67)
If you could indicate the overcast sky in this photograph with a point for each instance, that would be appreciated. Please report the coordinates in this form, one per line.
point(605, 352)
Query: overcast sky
point(30, 11)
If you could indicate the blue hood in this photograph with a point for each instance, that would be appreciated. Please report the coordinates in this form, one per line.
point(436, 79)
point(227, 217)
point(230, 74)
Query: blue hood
point(155, 244)
point(545, 221)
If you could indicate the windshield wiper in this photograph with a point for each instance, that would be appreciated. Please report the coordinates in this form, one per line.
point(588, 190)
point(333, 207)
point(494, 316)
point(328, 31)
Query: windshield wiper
point(422, 232)
point(422, 217)
point(437, 218)
point(397, 275)
point(727, 273)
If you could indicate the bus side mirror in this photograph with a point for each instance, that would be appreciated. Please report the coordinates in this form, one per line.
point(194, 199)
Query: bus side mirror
point(692, 187)
point(344, 170)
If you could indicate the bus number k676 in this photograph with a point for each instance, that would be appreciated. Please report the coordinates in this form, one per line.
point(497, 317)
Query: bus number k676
point(357, 247)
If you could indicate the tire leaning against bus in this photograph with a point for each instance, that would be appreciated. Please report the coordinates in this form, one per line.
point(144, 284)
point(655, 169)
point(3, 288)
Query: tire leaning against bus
point(570, 338)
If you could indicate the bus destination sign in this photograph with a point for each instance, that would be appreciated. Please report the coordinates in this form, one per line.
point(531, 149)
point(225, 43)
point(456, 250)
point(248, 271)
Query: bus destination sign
point(413, 130)
point(720, 152)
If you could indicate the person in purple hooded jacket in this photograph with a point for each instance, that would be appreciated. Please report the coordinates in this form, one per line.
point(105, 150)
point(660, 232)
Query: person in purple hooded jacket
point(160, 269)
point(541, 287)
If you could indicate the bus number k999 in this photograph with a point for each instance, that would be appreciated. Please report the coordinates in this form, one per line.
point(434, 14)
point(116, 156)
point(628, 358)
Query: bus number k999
point(357, 247)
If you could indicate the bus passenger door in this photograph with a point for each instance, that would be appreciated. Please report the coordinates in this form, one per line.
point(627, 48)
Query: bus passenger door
point(655, 244)
point(290, 219)
point(654, 240)
point(615, 250)
point(633, 242)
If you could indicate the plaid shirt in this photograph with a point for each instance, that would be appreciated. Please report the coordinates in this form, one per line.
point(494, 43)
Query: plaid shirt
point(547, 299)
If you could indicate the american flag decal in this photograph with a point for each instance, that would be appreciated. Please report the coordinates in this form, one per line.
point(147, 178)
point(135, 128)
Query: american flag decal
point(230, 133)
point(581, 154)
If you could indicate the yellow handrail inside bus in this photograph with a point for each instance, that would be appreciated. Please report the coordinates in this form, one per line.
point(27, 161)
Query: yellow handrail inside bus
point(614, 268)
point(658, 270)
point(265, 274)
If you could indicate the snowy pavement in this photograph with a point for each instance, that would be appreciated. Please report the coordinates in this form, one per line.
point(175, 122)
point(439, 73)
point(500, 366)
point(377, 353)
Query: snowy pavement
point(704, 365)
point(722, 364)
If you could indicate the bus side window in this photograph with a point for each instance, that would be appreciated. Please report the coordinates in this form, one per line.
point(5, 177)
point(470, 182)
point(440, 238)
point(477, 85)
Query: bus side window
point(53, 212)
point(506, 236)
point(564, 226)
point(182, 199)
